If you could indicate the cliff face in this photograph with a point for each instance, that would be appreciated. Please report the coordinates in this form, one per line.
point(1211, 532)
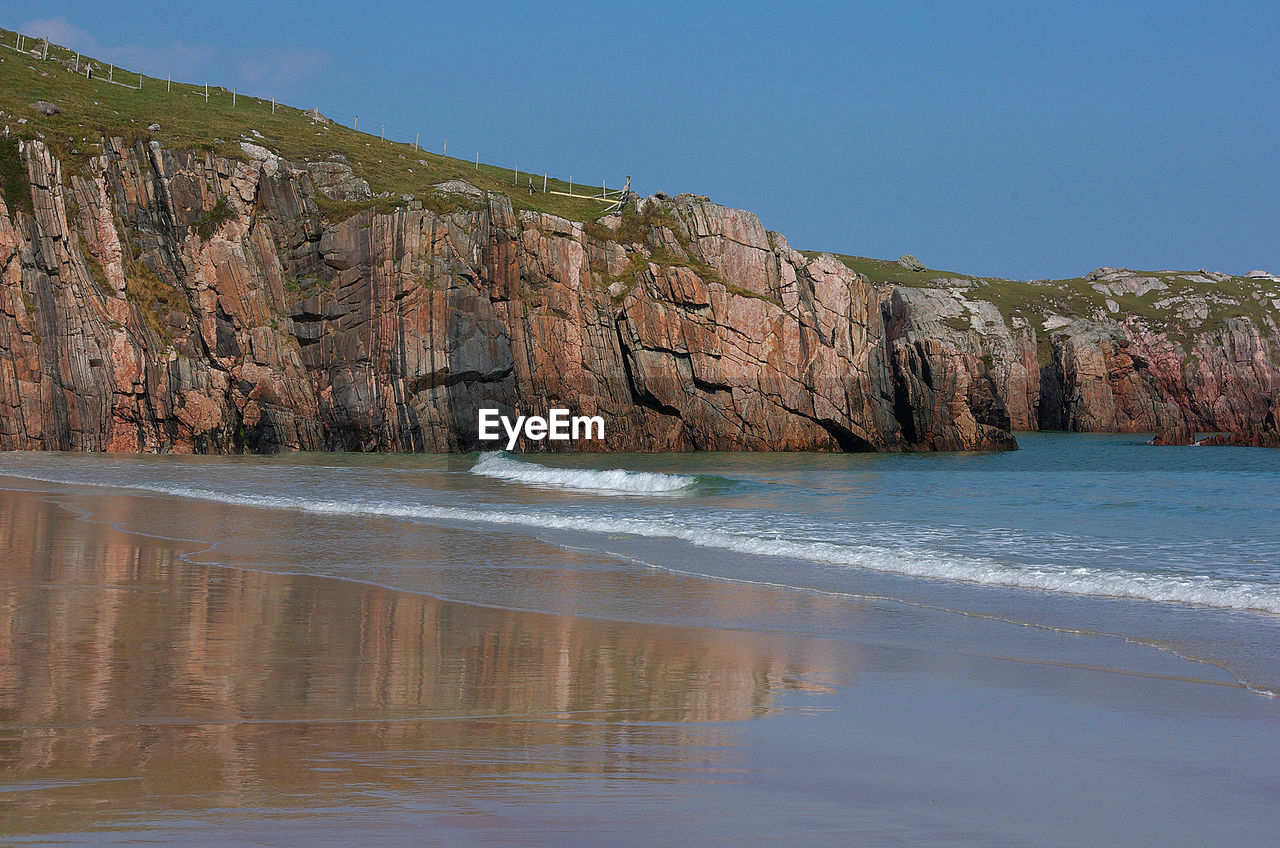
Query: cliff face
point(167, 301)
point(158, 300)
point(1165, 363)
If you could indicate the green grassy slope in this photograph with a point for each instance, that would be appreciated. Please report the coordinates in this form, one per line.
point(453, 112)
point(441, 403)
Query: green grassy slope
point(94, 108)
point(1168, 310)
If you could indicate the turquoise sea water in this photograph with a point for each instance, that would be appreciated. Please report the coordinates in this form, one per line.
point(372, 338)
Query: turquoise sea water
point(1173, 547)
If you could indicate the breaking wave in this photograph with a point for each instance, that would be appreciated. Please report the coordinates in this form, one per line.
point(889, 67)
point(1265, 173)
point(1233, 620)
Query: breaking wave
point(502, 466)
point(921, 562)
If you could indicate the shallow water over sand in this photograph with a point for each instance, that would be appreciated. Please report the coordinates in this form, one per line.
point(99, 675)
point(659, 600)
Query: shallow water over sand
point(135, 683)
point(1175, 547)
point(339, 676)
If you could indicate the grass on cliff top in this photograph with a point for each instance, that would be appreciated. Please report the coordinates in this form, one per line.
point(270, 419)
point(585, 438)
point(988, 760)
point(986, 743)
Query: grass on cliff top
point(93, 108)
point(1035, 300)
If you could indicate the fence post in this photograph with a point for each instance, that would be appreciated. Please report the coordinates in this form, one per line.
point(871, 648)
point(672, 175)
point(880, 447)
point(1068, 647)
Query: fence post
point(111, 73)
point(355, 127)
point(46, 50)
point(233, 98)
point(140, 79)
point(273, 105)
point(544, 183)
point(571, 184)
point(169, 85)
point(446, 148)
point(206, 94)
point(382, 133)
point(415, 142)
point(517, 174)
point(603, 191)
point(477, 160)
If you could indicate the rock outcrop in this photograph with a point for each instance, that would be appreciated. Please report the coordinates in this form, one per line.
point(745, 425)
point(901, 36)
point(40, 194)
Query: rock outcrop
point(1171, 362)
point(1265, 435)
point(159, 300)
point(1177, 436)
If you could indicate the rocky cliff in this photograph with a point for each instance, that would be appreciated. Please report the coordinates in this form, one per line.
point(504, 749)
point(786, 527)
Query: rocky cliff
point(253, 278)
point(161, 300)
point(1117, 350)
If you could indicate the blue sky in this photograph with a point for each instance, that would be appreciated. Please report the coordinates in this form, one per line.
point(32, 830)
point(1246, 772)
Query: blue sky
point(1014, 139)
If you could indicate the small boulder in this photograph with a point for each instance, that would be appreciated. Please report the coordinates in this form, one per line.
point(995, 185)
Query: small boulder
point(909, 262)
point(153, 128)
point(44, 107)
point(458, 187)
point(314, 114)
point(255, 151)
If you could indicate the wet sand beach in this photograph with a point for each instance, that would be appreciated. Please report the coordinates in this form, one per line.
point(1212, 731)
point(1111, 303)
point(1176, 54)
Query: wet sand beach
point(165, 691)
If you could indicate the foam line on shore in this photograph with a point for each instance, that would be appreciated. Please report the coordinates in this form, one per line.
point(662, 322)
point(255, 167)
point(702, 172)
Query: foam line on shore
point(502, 466)
point(1203, 591)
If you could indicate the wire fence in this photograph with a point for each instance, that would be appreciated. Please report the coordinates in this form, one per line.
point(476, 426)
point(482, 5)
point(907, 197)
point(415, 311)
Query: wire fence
point(531, 180)
point(534, 182)
point(78, 65)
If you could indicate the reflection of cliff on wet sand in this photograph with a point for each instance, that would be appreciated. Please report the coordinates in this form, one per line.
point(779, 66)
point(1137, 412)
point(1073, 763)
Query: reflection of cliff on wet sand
point(131, 680)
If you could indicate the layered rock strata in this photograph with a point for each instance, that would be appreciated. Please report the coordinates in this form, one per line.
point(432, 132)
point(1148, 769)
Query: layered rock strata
point(158, 300)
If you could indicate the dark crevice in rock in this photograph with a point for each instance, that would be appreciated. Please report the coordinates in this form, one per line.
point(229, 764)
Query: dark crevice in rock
point(641, 397)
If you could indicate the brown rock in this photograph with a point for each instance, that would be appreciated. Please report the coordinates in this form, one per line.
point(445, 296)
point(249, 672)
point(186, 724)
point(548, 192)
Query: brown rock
point(1180, 435)
point(387, 331)
point(947, 399)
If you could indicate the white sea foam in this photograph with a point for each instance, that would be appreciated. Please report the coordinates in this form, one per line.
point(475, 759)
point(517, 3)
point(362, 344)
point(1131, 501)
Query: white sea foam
point(501, 466)
point(1206, 591)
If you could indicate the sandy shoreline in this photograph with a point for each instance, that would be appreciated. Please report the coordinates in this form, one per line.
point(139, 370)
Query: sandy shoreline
point(142, 691)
